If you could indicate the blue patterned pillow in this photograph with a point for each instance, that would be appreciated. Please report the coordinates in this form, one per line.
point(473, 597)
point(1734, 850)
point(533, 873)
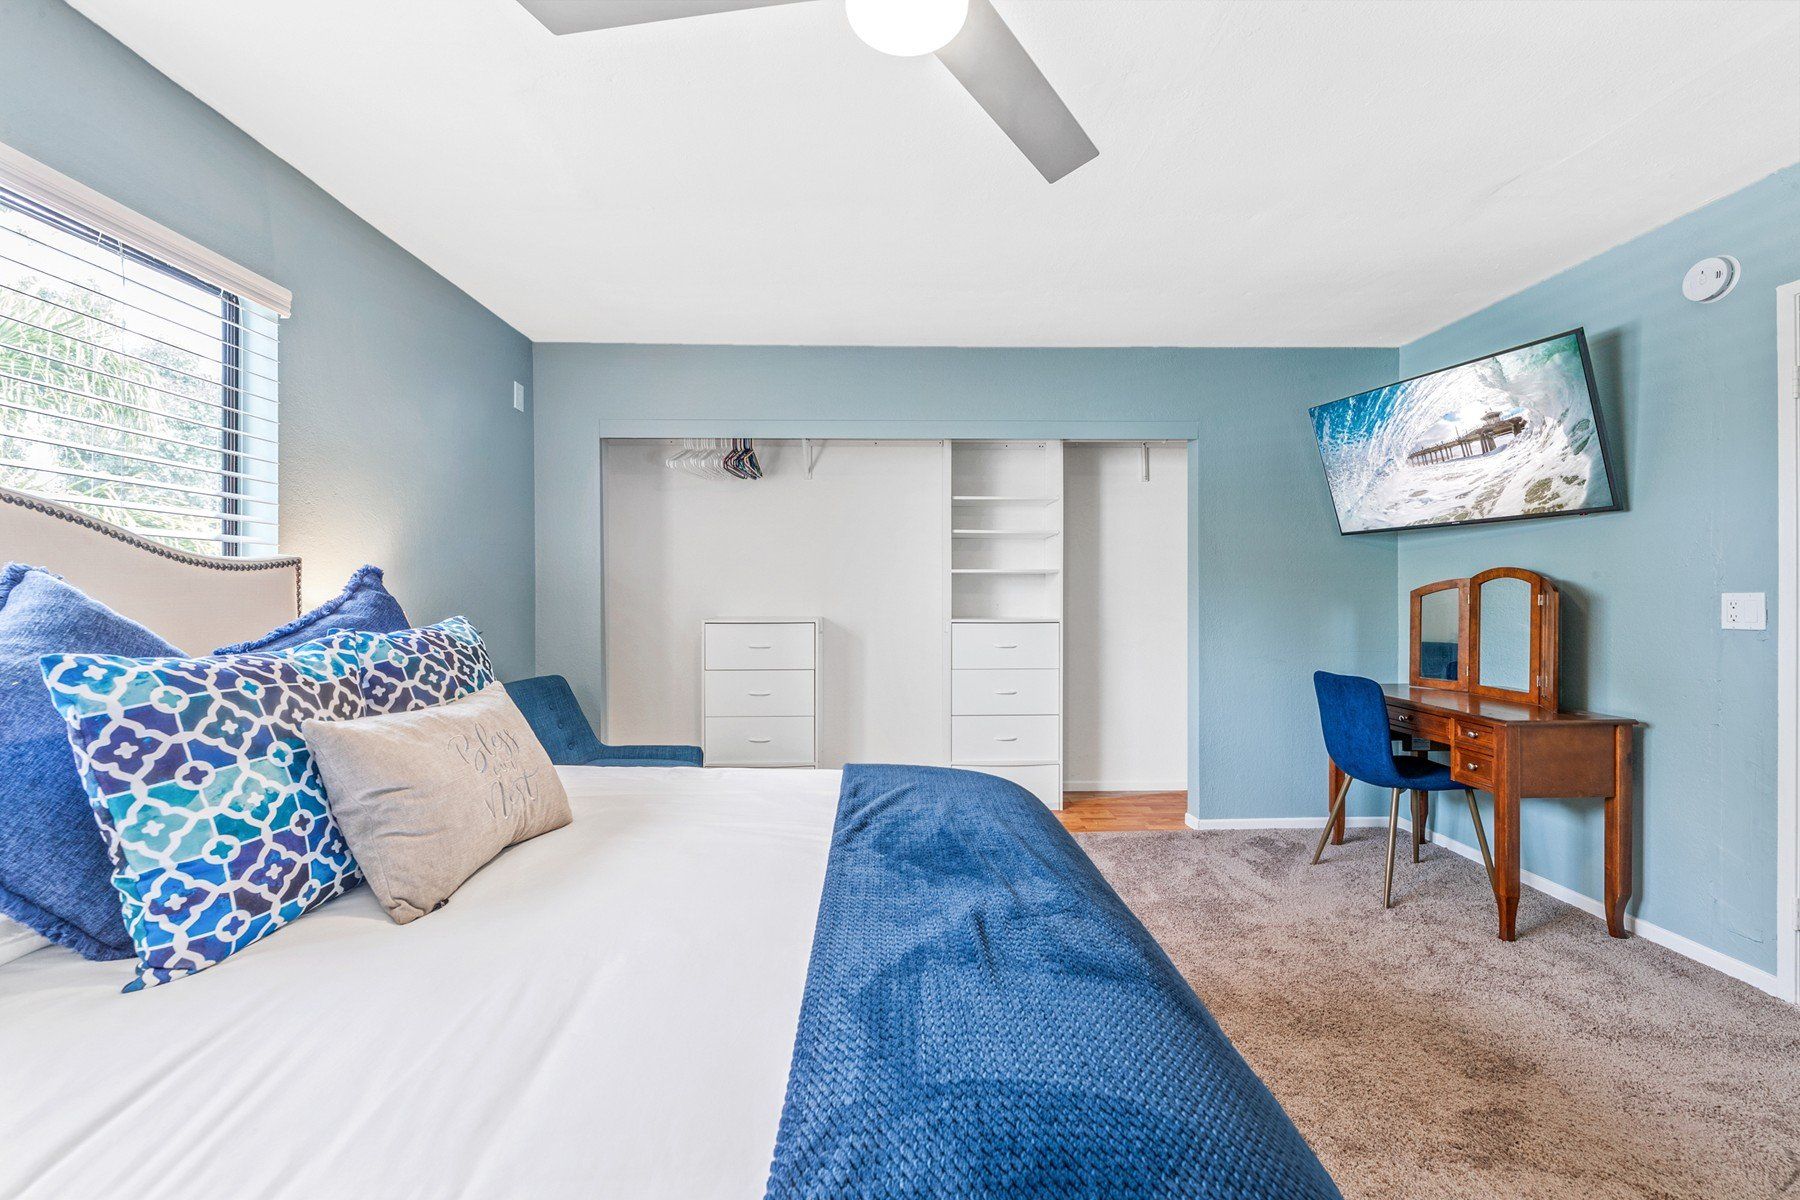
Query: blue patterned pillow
point(422, 668)
point(364, 606)
point(207, 797)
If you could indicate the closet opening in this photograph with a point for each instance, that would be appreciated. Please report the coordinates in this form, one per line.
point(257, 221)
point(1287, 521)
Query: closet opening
point(1126, 612)
point(1018, 607)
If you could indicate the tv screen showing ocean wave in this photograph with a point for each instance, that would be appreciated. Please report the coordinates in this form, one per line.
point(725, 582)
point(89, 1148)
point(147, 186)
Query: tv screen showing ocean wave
point(1515, 434)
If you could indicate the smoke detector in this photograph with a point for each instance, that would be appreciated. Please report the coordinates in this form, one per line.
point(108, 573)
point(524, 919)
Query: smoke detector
point(1710, 279)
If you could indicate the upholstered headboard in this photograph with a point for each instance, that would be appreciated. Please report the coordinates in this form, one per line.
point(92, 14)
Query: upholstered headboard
point(195, 601)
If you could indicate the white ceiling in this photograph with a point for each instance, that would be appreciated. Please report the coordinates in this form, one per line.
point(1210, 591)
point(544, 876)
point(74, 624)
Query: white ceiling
point(1270, 174)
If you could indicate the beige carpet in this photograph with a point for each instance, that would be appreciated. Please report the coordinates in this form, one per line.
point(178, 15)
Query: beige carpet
point(1422, 1057)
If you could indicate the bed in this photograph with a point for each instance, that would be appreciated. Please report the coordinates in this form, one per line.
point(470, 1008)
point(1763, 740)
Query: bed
point(886, 981)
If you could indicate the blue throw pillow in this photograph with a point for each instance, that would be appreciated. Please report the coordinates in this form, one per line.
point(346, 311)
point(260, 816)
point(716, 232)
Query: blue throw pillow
point(211, 806)
point(54, 874)
point(364, 606)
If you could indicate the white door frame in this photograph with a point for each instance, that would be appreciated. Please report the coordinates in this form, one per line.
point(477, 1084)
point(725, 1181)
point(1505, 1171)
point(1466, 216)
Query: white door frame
point(1787, 871)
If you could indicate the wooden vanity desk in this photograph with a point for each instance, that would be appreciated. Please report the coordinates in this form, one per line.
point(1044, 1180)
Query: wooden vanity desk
point(1510, 742)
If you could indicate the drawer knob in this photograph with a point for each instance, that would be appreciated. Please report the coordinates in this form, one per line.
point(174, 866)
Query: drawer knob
point(1470, 733)
point(759, 693)
point(1009, 692)
point(1401, 717)
point(1006, 739)
point(1470, 766)
point(760, 741)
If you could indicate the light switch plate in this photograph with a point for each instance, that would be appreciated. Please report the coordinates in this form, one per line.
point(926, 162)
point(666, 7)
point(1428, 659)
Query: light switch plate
point(519, 396)
point(1743, 610)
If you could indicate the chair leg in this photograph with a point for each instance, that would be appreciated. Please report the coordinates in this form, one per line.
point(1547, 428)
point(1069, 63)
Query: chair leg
point(1337, 806)
point(1480, 834)
point(1387, 886)
point(1419, 801)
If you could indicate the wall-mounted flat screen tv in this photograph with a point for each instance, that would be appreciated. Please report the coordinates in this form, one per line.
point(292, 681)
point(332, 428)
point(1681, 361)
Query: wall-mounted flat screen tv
point(1516, 434)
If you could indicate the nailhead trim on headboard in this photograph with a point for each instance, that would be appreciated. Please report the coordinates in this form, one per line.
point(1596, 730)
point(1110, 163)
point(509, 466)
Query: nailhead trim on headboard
point(52, 509)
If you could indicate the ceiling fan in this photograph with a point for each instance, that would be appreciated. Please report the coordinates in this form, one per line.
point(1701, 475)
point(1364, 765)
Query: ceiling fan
point(967, 36)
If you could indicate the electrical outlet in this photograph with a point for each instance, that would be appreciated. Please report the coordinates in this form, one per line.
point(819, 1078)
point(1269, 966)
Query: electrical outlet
point(1743, 610)
point(519, 396)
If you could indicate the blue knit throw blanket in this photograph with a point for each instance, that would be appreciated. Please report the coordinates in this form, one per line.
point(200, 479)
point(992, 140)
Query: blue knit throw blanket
point(984, 1017)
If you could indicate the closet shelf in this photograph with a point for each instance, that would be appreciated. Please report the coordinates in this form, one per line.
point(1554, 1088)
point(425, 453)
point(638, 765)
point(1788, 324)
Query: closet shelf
point(1004, 533)
point(1003, 499)
point(1004, 571)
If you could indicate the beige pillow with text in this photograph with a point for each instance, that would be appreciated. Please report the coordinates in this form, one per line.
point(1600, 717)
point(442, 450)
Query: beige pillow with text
point(425, 799)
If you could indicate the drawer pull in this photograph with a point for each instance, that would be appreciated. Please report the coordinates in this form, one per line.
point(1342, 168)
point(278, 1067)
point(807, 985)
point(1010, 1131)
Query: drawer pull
point(1008, 692)
point(1006, 645)
point(1471, 766)
point(1006, 739)
point(1470, 733)
point(761, 646)
point(759, 693)
point(760, 741)
point(1401, 717)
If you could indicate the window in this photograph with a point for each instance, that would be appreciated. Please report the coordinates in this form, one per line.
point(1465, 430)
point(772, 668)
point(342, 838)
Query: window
point(131, 388)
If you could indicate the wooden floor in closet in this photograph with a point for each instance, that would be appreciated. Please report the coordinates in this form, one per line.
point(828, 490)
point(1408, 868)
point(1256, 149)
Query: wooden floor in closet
point(1123, 812)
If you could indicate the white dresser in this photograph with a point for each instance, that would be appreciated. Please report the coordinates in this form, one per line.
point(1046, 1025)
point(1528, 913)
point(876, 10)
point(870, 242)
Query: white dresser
point(1006, 702)
point(759, 692)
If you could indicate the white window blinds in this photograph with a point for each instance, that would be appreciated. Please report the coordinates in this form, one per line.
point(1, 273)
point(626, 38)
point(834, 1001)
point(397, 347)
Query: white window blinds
point(132, 389)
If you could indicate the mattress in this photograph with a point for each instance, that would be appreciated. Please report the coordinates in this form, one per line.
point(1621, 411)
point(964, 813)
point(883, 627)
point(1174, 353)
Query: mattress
point(608, 1010)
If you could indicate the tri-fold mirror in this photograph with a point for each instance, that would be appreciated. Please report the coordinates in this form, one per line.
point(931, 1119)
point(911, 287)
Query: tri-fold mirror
point(1492, 634)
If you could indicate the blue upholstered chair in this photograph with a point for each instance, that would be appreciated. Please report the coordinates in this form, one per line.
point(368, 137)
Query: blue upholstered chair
point(1353, 713)
point(555, 715)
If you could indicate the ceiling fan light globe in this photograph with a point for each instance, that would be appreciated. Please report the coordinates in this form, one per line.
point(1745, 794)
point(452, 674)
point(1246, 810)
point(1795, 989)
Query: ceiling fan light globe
point(907, 28)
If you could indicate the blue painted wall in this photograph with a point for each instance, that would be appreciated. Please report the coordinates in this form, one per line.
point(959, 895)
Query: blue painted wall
point(399, 444)
point(1689, 395)
point(1276, 594)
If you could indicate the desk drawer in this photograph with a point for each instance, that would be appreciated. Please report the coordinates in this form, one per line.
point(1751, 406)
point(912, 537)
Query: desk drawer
point(1484, 738)
point(1471, 766)
point(1420, 724)
point(759, 741)
point(759, 693)
point(979, 692)
point(773, 647)
point(1005, 739)
point(986, 644)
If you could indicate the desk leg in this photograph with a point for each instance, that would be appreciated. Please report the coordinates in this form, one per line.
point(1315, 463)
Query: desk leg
point(1506, 858)
point(1618, 834)
point(1334, 782)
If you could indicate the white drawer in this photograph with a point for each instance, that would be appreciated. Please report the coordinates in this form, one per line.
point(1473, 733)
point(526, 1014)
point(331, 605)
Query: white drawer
point(759, 741)
point(1030, 691)
point(981, 645)
point(775, 647)
point(1043, 782)
point(1004, 739)
point(759, 693)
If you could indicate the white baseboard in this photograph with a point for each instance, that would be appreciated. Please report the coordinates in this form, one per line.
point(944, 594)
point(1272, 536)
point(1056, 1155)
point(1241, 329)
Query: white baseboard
point(1686, 947)
point(1313, 823)
point(1155, 785)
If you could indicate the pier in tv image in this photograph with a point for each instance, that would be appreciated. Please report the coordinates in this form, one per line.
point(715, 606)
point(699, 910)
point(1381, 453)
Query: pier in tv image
point(1515, 434)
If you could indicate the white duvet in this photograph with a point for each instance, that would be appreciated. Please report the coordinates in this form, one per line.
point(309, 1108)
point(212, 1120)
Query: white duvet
point(607, 1010)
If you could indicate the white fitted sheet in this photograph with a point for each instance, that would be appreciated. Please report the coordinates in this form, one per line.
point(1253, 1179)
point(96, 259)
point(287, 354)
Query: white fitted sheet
point(607, 1010)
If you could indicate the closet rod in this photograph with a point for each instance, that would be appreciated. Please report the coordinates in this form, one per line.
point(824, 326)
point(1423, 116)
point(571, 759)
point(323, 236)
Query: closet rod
point(817, 442)
point(845, 441)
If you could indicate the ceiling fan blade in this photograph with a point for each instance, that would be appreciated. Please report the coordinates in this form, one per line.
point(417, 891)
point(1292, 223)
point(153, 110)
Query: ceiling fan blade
point(989, 61)
point(579, 16)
